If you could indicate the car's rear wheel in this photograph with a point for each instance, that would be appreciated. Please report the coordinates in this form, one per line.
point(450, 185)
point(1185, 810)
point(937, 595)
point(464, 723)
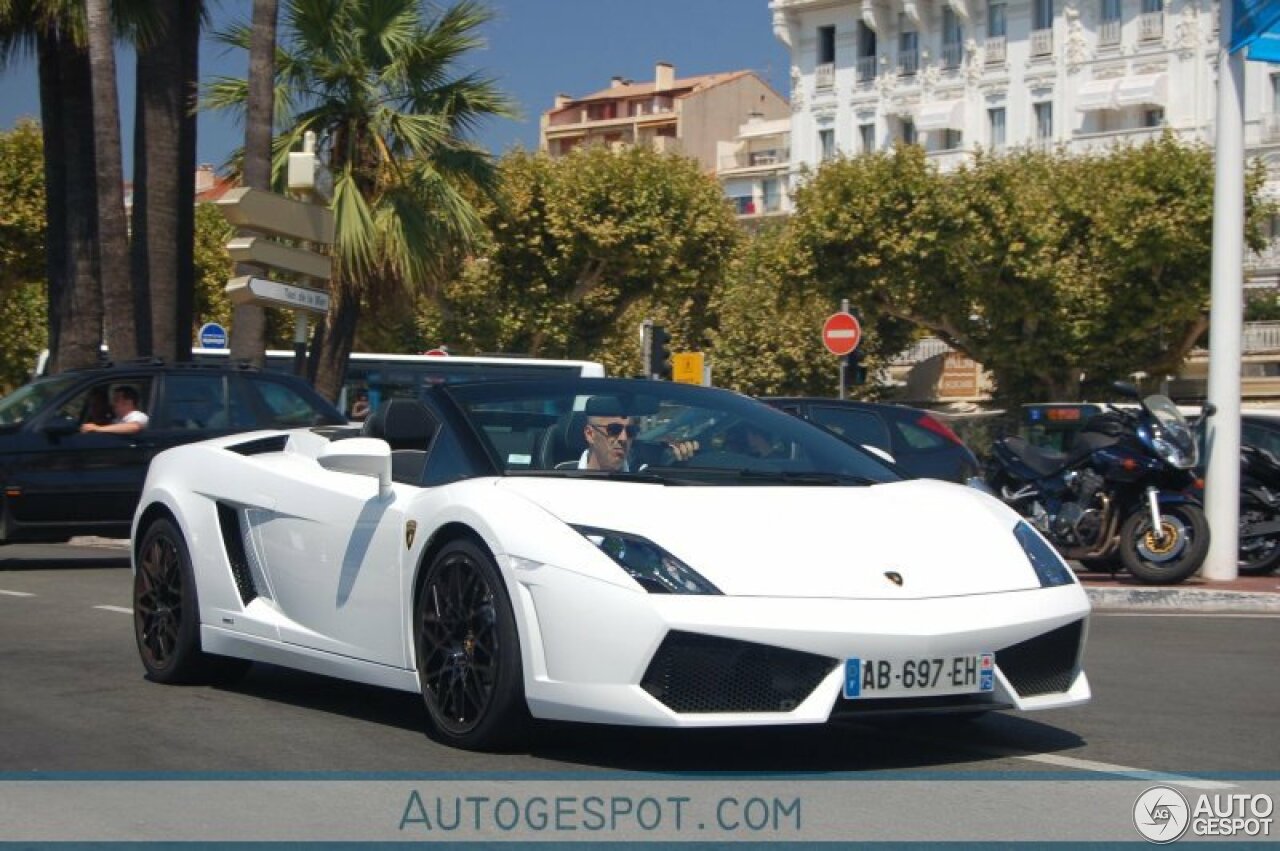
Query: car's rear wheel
point(166, 613)
point(468, 652)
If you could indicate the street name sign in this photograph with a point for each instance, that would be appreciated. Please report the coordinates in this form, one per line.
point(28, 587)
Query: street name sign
point(250, 290)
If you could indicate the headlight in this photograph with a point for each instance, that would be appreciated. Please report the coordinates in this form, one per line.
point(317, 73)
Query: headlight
point(1174, 454)
point(1048, 565)
point(657, 571)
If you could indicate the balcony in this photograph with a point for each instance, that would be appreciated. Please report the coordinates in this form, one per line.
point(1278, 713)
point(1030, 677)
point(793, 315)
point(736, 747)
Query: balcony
point(1151, 26)
point(1042, 42)
point(908, 62)
point(1270, 129)
point(1109, 34)
point(756, 159)
point(995, 50)
point(824, 76)
point(952, 54)
point(1266, 260)
point(866, 68)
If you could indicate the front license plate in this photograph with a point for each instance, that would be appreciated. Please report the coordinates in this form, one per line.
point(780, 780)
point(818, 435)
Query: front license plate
point(867, 678)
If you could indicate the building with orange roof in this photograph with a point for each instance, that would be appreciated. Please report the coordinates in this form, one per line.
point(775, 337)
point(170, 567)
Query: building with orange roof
point(688, 116)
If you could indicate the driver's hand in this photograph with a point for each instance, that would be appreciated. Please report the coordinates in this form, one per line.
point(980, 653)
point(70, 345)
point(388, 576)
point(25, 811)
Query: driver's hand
point(684, 449)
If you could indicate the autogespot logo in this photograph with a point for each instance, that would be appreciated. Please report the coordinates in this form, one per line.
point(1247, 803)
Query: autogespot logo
point(1161, 814)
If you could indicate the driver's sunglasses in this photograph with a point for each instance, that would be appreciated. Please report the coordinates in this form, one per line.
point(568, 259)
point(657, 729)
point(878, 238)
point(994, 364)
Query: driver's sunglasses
point(616, 429)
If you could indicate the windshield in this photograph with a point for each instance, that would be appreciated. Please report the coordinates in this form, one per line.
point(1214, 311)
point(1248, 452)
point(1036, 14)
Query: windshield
point(1173, 437)
point(30, 399)
point(657, 431)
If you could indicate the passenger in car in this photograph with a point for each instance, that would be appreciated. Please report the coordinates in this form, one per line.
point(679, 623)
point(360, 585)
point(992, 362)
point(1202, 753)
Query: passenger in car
point(128, 419)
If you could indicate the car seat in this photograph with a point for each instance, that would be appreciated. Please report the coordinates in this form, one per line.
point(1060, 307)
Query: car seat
point(407, 426)
point(563, 442)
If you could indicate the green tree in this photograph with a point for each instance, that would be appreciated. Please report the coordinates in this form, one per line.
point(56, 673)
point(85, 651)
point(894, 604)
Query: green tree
point(23, 310)
point(1042, 266)
point(585, 247)
point(770, 316)
point(376, 82)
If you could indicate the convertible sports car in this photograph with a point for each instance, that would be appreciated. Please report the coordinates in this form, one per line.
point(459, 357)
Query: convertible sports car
point(459, 546)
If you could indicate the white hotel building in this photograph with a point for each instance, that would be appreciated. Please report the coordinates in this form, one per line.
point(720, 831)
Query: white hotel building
point(958, 75)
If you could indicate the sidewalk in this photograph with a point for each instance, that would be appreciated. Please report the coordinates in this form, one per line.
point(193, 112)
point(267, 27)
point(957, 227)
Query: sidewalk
point(1245, 594)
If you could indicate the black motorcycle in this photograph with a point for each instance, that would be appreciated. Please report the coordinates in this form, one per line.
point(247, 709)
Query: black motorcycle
point(1122, 489)
point(1259, 511)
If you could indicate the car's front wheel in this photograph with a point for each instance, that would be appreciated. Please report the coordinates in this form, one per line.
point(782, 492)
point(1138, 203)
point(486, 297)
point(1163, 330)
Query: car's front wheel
point(166, 614)
point(468, 652)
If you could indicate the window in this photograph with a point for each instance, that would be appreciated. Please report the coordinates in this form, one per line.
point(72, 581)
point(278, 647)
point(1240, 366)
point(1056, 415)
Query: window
point(826, 45)
point(1275, 93)
point(769, 197)
point(908, 46)
point(827, 143)
point(193, 402)
point(1044, 121)
point(1149, 6)
point(1152, 117)
point(287, 407)
point(860, 427)
point(867, 138)
point(995, 127)
point(952, 139)
point(1110, 10)
point(1042, 14)
point(866, 52)
point(908, 131)
point(952, 39)
point(995, 20)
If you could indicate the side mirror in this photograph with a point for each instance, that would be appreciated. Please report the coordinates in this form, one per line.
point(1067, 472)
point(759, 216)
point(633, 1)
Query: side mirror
point(360, 456)
point(61, 426)
point(1208, 410)
point(1126, 389)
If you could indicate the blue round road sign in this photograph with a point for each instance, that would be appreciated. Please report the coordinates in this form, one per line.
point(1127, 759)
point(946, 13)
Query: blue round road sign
point(213, 336)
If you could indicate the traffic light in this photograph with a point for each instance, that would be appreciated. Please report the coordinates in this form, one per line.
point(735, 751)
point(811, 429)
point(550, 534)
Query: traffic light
point(855, 374)
point(660, 352)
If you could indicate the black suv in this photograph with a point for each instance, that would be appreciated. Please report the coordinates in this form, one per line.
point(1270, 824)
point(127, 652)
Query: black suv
point(60, 482)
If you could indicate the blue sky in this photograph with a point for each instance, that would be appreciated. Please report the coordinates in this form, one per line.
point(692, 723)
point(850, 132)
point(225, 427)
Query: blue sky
point(536, 48)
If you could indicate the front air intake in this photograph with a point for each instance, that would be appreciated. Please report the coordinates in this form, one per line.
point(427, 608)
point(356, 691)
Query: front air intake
point(694, 673)
point(1044, 664)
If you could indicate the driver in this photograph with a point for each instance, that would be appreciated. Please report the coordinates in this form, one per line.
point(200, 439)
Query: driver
point(609, 442)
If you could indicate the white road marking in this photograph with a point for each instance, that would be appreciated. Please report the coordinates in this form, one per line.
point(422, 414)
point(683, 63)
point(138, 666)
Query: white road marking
point(17, 594)
point(121, 609)
point(1123, 770)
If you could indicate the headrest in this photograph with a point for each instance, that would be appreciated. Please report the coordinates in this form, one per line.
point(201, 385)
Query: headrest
point(403, 423)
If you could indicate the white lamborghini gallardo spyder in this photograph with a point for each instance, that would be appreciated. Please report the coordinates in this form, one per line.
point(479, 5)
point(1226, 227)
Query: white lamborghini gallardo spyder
point(481, 545)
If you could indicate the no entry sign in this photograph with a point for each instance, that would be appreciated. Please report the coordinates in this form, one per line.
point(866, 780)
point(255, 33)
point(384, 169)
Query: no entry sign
point(841, 333)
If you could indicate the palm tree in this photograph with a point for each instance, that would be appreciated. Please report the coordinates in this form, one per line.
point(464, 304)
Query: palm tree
point(113, 241)
point(249, 321)
point(55, 31)
point(376, 83)
point(164, 162)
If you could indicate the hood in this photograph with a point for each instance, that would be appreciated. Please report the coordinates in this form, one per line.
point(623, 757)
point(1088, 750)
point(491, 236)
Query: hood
point(941, 539)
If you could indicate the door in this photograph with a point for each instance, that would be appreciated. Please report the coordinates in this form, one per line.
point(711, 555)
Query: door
point(332, 550)
point(65, 482)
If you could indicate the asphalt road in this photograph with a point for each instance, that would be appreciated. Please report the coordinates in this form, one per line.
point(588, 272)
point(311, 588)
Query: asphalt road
point(1187, 694)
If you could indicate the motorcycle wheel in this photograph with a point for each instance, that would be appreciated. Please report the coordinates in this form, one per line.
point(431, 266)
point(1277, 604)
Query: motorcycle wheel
point(1174, 556)
point(1262, 557)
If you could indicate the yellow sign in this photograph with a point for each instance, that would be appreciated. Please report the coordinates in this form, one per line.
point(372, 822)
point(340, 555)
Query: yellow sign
point(686, 367)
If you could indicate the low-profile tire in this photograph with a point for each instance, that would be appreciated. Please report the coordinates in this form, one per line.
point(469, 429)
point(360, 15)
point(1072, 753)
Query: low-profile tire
point(1177, 557)
point(1264, 557)
point(468, 652)
point(166, 613)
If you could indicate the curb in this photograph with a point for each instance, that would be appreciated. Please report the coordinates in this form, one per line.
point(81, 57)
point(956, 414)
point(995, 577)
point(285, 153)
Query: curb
point(94, 541)
point(1182, 599)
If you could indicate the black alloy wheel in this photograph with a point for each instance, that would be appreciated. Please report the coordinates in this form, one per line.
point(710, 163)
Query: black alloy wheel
point(1259, 556)
point(166, 616)
point(468, 652)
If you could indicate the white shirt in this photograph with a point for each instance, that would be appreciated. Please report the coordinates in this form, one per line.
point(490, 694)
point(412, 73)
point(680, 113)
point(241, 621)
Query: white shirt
point(586, 456)
point(136, 417)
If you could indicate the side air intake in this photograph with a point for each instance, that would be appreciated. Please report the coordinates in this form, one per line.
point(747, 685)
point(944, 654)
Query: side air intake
point(233, 542)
